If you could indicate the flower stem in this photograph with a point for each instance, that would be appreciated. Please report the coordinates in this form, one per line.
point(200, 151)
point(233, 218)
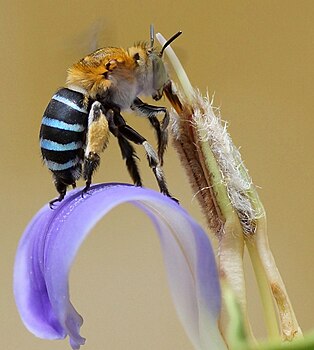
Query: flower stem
point(231, 247)
point(266, 297)
point(230, 203)
point(268, 273)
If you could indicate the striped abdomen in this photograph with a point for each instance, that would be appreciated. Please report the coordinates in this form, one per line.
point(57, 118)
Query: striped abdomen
point(62, 135)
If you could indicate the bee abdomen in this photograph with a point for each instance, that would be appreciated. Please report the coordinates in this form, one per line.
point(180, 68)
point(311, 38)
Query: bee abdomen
point(62, 134)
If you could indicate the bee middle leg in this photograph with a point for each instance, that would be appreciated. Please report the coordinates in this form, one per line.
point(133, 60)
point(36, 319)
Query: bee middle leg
point(96, 141)
point(128, 153)
point(161, 129)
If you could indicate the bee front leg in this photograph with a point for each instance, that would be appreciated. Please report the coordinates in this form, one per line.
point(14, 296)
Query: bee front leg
point(96, 141)
point(161, 130)
point(124, 130)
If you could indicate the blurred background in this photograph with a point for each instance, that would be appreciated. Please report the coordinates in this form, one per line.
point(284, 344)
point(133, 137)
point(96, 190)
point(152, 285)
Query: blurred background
point(255, 56)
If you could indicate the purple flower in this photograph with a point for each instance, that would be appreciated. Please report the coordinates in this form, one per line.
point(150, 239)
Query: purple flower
point(50, 243)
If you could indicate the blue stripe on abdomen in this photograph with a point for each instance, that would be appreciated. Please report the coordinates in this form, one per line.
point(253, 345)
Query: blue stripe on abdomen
point(54, 166)
point(54, 123)
point(69, 103)
point(59, 147)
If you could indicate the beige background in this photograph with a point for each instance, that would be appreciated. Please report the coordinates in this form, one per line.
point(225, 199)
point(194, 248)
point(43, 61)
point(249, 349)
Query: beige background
point(257, 56)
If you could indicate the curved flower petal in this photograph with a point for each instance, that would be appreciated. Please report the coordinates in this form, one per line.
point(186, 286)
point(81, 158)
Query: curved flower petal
point(52, 239)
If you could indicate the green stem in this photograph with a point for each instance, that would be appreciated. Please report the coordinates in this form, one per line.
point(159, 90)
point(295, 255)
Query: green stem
point(306, 343)
point(289, 326)
point(231, 245)
point(211, 168)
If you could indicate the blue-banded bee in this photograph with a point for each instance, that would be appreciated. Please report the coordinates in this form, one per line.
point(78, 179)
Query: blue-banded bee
point(79, 118)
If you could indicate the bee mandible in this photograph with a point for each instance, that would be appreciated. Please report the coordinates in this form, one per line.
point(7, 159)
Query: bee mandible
point(77, 122)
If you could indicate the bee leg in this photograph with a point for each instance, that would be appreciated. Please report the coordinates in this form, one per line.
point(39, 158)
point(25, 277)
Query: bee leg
point(161, 130)
point(155, 165)
point(91, 163)
point(128, 153)
point(96, 141)
point(115, 120)
point(61, 188)
point(130, 134)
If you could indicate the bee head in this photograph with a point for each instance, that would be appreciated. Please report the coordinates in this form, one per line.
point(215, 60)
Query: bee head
point(159, 73)
point(150, 69)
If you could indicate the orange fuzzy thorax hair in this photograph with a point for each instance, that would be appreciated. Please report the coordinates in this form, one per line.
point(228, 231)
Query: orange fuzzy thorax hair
point(96, 72)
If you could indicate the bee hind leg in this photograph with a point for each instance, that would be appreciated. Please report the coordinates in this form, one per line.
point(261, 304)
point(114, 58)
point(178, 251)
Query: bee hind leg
point(96, 141)
point(61, 188)
point(91, 163)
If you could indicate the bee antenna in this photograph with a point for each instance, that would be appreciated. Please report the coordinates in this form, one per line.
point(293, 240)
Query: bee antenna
point(169, 41)
point(152, 35)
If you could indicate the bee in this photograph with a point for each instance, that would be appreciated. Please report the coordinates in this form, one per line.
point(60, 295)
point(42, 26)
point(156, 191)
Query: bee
point(77, 122)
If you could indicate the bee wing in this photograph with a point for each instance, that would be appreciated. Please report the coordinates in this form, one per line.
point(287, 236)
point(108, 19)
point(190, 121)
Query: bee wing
point(106, 59)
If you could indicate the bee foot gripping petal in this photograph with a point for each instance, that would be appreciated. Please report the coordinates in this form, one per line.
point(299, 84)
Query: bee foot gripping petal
point(53, 202)
point(154, 163)
point(85, 191)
